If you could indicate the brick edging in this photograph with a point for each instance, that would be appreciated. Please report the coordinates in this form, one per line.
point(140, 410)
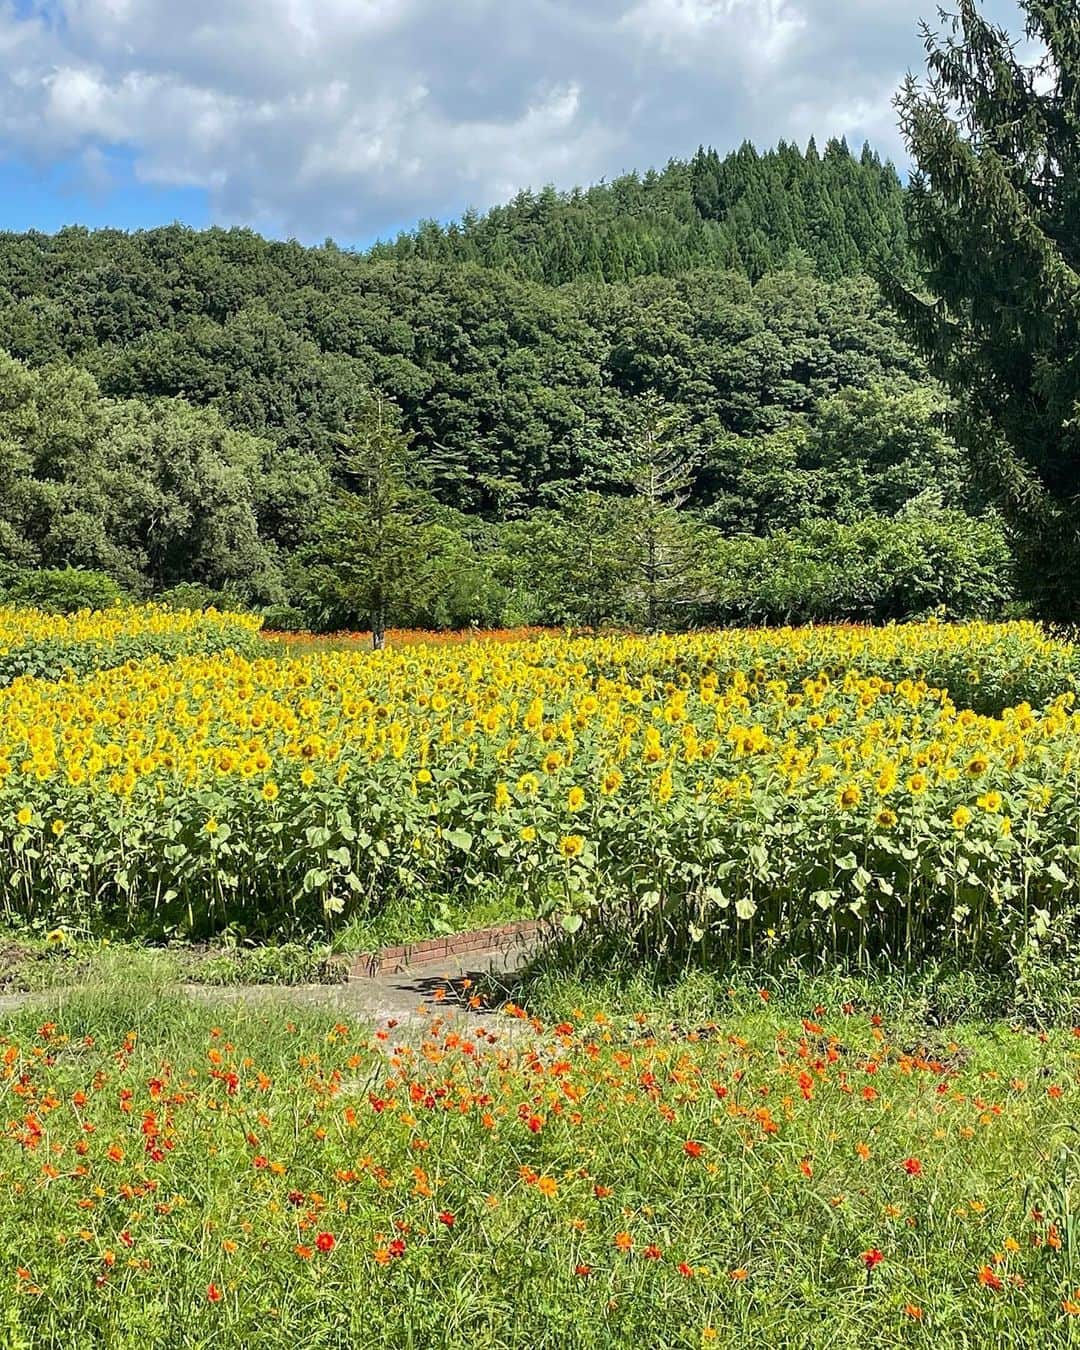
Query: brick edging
point(393, 960)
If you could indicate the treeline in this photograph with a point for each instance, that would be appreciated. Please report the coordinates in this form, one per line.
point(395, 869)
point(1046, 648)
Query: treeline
point(175, 405)
point(749, 212)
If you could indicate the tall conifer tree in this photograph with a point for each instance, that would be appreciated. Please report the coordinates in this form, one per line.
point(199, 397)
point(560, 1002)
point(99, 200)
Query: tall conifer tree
point(994, 216)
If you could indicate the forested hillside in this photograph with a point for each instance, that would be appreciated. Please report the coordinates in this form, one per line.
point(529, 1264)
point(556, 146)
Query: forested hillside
point(178, 400)
point(747, 212)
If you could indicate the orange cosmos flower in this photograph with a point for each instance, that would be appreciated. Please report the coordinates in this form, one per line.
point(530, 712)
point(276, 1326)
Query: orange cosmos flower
point(988, 1279)
point(624, 1241)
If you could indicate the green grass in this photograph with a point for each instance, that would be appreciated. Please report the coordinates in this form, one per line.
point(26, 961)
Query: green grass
point(413, 918)
point(168, 1167)
point(30, 961)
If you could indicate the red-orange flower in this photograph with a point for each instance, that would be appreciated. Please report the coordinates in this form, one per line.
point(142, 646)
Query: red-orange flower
point(913, 1167)
point(693, 1149)
point(447, 1218)
point(988, 1279)
point(872, 1258)
point(325, 1242)
point(213, 1293)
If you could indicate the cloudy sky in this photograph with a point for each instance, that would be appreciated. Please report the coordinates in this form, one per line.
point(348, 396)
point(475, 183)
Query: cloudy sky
point(353, 118)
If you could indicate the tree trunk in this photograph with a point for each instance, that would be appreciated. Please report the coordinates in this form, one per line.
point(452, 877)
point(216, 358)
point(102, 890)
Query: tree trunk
point(378, 626)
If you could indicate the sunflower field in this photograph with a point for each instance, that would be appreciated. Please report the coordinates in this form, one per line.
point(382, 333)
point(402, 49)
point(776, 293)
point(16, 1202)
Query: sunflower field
point(51, 646)
point(823, 788)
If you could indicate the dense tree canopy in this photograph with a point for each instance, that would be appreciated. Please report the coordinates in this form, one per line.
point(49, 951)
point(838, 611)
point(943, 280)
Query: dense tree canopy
point(750, 212)
point(175, 401)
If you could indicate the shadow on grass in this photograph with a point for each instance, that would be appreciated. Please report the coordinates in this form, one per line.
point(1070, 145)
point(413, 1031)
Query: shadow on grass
point(602, 974)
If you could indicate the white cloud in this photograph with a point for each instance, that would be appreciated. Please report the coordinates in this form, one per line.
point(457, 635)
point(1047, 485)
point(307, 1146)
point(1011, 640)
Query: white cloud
point(354, 116)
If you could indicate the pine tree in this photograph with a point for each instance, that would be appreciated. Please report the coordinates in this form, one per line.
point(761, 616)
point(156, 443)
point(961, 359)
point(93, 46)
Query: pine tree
point(655, 465)
point(371, 544)
point(994, 214)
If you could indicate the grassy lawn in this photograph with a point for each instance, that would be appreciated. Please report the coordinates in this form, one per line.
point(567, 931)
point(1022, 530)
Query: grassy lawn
point(784, 1173)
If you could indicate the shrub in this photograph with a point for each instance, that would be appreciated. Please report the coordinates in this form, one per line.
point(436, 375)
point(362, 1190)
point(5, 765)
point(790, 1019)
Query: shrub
point(285, 619)
point(876, 570)
point(63, 590)
point(193, 595)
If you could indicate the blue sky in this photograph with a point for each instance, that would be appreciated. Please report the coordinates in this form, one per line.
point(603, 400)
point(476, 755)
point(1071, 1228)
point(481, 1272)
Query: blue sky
point(47, 196)
point(354, 118)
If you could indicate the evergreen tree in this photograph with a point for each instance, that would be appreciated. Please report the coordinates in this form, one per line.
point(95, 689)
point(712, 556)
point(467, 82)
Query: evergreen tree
point(370, 553)
point(994, 215)
point(658, 546)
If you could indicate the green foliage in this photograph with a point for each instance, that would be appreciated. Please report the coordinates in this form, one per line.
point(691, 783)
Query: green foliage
point(151, 494)
point(62, 590)
point(507, 384)
point(285, 619)
point(873, 570)
point(280, 963)
point(177, 401)
point(994, 216)
point(751, 212)
point(590, 565)
point(194, 595)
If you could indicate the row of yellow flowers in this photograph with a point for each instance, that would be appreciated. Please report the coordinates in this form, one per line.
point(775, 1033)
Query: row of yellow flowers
point(33, 642)
point(675, 780)
point(53, 645)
